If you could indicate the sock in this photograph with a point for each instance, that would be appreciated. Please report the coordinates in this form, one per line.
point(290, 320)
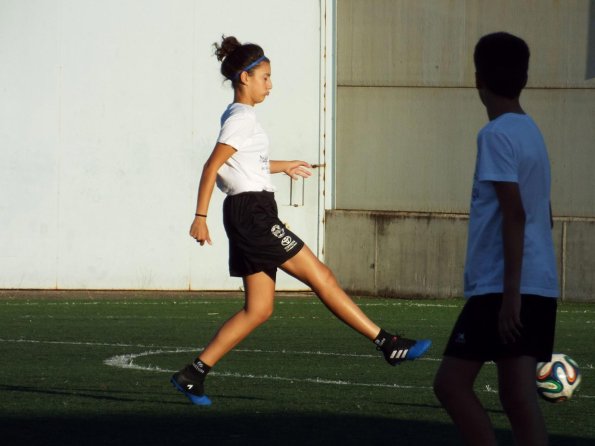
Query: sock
point(201, 368)
point(382, 338)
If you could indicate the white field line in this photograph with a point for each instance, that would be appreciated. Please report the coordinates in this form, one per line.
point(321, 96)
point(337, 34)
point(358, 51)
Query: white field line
point(234, 300)
point(198, 348)
point(238, 350)
point(177, 318)
point(126, 361)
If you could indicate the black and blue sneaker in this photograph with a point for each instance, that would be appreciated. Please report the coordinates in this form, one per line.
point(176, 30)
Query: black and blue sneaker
point(191, 384)
point(397, 349)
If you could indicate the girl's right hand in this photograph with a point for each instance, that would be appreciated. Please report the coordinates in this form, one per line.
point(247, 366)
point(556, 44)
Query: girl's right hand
point(200, 231)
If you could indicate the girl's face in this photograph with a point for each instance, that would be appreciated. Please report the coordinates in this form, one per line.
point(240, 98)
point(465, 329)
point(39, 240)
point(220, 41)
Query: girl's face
point(258, 84)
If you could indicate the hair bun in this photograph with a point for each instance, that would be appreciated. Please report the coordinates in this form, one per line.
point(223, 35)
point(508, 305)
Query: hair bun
point(228, 45)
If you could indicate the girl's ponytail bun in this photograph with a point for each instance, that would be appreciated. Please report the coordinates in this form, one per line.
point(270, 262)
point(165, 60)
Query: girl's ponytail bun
point(228, 45)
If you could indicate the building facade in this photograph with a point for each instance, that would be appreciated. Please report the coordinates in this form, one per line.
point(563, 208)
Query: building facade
point(407, 115)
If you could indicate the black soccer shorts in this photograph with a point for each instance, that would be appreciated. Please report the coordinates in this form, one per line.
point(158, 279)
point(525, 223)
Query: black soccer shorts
point(475, 334)
point(258, 240)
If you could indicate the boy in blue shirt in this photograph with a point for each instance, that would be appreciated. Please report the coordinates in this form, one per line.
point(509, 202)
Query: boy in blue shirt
point(510, 279)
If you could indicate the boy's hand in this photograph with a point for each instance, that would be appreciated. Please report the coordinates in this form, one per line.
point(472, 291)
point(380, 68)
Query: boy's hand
point(200, 231)
point(509, 319)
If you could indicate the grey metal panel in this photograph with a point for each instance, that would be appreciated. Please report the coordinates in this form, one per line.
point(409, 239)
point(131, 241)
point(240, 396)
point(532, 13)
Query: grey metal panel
point(406, 148)
point(430, 42)
point(567, 120)
point(579, 272)
point(397, 254)
point(350, 249)
point(558, 239)
point(420, 256)
point(423, 255)
point(413, 149)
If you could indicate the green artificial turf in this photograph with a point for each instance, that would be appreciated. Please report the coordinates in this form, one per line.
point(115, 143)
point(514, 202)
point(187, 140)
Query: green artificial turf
point(81, 368)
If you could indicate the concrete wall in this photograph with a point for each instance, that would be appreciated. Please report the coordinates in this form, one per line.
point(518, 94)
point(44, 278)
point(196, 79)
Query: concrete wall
point(416, 254)
point(397, 254)
point(407, 117)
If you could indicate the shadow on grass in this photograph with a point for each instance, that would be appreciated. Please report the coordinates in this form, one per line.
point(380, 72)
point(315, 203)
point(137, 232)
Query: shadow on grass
point(192, 425)
point(199, 427)
point(100, 395)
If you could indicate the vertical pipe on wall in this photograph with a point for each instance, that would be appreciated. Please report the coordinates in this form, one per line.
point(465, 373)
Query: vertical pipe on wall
point(590, 72)
point(563, 266)
point(327, 114)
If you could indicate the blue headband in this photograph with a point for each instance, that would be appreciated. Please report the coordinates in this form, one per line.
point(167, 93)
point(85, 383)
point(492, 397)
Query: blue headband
point(249, 67)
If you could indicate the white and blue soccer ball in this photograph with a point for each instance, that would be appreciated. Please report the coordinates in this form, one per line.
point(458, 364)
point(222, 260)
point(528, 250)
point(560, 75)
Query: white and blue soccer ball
point(558, 379)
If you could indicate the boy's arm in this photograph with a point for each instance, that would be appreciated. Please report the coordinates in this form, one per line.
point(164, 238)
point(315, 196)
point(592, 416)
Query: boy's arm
point(513, 235)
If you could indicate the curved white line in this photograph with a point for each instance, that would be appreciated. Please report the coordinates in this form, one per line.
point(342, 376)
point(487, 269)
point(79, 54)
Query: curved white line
point(127, 362)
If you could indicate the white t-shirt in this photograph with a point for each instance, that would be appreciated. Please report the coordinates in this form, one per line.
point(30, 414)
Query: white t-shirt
point(247, 170)
point(511, 149)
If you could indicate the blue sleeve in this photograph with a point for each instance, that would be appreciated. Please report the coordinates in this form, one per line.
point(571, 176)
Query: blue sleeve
point(496, 158)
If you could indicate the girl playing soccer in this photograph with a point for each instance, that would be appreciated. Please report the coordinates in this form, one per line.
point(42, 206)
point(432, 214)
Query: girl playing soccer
point(259, 242)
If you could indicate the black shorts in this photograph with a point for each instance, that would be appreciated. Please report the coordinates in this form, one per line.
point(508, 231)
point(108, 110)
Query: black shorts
point(475, 334)
point(258, 240)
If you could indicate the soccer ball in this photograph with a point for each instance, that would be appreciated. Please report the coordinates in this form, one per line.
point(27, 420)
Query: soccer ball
point(558, 379)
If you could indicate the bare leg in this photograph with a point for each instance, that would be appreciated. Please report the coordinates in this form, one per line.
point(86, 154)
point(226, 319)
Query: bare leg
point(258, 307)
point(453, 386)
point(518, 395)
point(306, 267)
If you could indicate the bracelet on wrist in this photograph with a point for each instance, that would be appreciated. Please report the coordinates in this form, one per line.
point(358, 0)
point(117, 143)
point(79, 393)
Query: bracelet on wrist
point(201, 215)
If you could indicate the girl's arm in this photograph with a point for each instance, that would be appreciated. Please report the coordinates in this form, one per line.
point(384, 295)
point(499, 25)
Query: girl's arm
point(294, 169)
point(199, 229)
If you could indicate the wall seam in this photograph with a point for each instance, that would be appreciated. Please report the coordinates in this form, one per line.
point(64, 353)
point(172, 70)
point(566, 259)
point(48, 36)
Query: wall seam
point(375, 220)
point(563, 266)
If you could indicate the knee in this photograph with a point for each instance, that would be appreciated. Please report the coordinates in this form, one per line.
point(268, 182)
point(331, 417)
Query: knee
point(449, 391)
point(260, 315)
point(442, 390)
point(325, 278)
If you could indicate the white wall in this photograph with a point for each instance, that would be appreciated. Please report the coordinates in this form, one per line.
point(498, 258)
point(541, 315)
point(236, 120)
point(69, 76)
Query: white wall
point(108, 109)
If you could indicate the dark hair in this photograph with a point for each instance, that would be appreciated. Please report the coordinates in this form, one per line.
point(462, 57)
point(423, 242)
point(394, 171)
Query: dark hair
point(501, 62)
point(237, 57)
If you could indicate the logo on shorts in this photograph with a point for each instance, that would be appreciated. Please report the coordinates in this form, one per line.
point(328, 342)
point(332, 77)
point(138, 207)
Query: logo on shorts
point(288, 243)
point(460, 338)
point(278, 231)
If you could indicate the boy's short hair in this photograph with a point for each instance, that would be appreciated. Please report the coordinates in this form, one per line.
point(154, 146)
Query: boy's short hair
point(501, 62)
